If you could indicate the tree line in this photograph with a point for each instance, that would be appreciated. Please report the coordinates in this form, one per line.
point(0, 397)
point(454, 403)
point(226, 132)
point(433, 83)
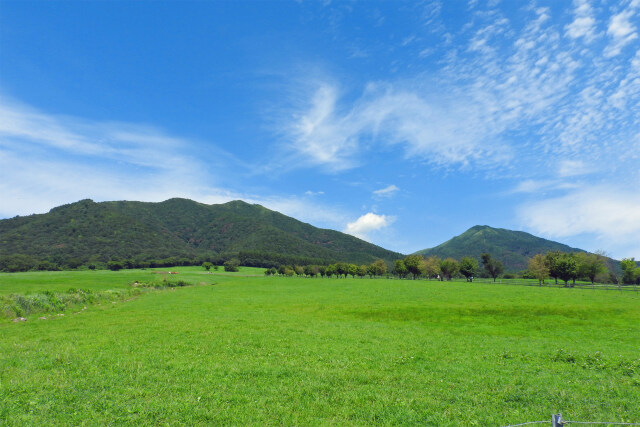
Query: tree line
point(570, 267)
point(556, 265)
point(433, 267)
point(22, 262)
point(412, 265)
point(340, 269)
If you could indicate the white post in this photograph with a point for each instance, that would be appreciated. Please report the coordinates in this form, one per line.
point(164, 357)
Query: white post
point(556, 420)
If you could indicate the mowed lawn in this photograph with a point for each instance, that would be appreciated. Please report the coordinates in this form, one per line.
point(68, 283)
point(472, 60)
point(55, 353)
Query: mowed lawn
point(295, 351)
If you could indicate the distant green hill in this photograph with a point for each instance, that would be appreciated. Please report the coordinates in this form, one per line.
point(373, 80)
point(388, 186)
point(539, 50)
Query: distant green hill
point(86, 231)
point(512, 248)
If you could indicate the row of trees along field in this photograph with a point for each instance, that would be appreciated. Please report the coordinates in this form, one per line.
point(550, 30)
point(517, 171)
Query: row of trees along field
point(20, 262)
point(339, 269)
point(433, 267)
point(580, 265)
point(556, 265)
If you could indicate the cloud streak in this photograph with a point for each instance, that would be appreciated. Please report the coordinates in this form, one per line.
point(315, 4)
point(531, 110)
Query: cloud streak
point(517, 95)
point(47, 160)
point(387, 191)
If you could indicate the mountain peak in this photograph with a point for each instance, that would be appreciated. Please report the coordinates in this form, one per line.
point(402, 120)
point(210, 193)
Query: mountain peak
point(512, 248)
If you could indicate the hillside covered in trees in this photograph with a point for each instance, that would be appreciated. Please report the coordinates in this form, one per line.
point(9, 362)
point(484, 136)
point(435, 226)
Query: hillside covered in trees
point(512, 248)
point(85, 233)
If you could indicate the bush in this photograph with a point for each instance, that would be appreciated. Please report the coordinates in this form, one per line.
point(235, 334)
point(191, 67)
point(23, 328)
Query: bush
point(232, 265)
point(115, 265)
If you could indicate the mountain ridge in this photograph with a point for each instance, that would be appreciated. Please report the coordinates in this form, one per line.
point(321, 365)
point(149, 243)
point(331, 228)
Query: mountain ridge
point(97, 232)
point(86, 232)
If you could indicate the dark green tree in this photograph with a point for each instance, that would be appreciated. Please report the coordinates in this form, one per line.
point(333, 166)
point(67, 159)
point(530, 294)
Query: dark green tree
point(431, 266)
point(362, 271)
point(591, 265)
point(630, 272)
point(538, 268)
point(449, 267)
point(551, 259)
point(311, 270)
point(493, 267)
point(566, 267)
point(342, 269)
point(413, 263)
point(322, 269)
point(115, 265)
point(378, 268)
point(331, 270)
point(353, 270)
point(400, 269)
point(468, 267)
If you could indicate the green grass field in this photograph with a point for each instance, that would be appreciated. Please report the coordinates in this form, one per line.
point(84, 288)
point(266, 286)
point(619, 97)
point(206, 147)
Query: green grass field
point(269, 350)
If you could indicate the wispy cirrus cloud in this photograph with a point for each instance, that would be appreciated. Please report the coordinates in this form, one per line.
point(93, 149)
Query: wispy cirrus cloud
point(541, 186)
point(37, 134)
point(320, 136)
point(504, 95)
point(48, 160)
point(428, 130)
point(387, 191)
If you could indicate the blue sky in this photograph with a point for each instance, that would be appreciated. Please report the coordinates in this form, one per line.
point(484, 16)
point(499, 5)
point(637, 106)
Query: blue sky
point(403, 123)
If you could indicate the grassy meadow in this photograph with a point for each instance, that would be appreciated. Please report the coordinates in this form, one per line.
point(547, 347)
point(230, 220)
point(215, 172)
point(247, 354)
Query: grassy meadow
point(250, 350)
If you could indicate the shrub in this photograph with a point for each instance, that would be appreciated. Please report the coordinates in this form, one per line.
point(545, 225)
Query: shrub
point(232, 265)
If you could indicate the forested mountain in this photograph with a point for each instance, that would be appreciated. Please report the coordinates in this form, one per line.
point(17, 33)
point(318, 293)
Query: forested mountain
point(85, 232)
point(512, 248)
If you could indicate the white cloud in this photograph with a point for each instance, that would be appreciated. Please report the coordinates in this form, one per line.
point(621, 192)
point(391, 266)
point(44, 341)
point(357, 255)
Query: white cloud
point(434, 128)
point(609, 214)
point(387, 191)
point(569, 168)
point(474, 111)
point(540, 186)
point(366, 224)
point(583, 24)
point(47, 160)
point(622, 32)
point(319, 136)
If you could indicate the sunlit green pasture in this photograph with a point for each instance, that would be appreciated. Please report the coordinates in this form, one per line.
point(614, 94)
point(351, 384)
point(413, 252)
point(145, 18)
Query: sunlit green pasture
point(296, 351)
point(37, 281)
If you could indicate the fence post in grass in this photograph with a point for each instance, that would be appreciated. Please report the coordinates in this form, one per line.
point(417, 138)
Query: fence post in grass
point(556, 420)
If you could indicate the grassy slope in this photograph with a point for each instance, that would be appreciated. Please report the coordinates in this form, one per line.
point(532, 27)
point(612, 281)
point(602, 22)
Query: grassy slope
point(263, 350)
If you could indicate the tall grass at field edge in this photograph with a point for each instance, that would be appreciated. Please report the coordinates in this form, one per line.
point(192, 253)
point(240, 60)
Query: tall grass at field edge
point(23, 305)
